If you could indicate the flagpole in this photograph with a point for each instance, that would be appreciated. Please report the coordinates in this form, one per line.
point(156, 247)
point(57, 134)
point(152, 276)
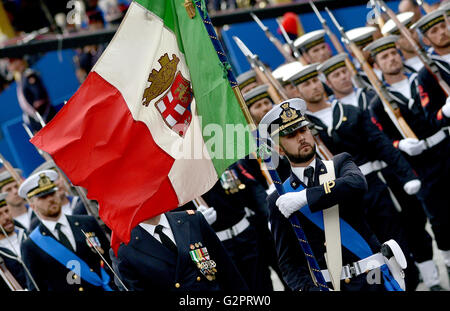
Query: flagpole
point(311, 260)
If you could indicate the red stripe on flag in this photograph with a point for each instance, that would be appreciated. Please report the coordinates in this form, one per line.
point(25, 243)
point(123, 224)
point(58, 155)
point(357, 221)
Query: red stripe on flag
point(97, 143)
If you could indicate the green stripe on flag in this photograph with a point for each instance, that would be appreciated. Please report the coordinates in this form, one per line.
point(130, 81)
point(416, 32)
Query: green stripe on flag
point(215, 99)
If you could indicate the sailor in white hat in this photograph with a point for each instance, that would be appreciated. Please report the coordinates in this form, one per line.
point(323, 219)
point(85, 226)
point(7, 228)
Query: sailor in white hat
point(247, 81)
point(337, 125)
point(71, 205)
point(313, 46)
point(11, 238)
point(19, 208)
point(339, 79)
point(258, 102)
point(299, 73)
point(428, 154)
point(59, 240)
point(411, 60)
point(362, 36)
point(284, 71)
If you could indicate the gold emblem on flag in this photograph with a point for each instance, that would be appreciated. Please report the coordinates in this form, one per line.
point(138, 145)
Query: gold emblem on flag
point(160, 80)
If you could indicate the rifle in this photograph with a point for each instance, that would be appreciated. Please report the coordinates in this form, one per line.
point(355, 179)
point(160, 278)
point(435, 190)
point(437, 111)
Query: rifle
point(7, 276)
point(427, 61)
point(424, 6)
point(377, 14)
point(254, 61)
point(275, 90)
point(288, 57)
point(390, 106)
point(295, 51)
point(338, 46)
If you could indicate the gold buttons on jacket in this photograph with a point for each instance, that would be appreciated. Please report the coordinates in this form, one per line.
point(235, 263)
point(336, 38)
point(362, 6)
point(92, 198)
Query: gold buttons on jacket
point(81, 289)
point(177, 285)
point(198, 279)
point(347, 281)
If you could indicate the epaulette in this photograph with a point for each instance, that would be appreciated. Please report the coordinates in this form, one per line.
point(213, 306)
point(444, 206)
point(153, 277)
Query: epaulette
point(190, 212)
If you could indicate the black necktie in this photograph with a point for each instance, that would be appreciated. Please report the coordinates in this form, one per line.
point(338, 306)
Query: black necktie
point(165, 240)
point(62, 237)
point(309, 172)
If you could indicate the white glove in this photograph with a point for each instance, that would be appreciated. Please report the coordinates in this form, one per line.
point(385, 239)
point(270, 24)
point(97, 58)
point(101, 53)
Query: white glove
point(210, 214)
point(291, 202)
point(271, 189)
point(412, 146)
point(446, 108)
point(412, 186)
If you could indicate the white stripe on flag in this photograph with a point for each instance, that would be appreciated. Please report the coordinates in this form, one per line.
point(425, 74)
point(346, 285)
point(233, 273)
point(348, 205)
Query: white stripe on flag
point(161, 106)
point(171, 120)
point(180, 109)
point(170, 96)
point(126, 64)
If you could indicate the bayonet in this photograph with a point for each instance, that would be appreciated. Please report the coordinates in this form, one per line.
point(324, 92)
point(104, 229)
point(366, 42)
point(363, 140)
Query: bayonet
point(275, 89)
point(272, 38)
point(295, 51)
point(338, 46)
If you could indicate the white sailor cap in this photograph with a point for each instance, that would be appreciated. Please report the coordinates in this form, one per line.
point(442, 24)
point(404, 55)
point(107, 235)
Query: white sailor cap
point(246, 78)
point(47, 165)
point(284, 118)
point(361, 36)
point(426, 22)
point(39, 184)
point(381, 45)
point(303, 74)
point(258, 93)
point(3, 199)
point(390, 28)
point(6, 177)
point(332, 64)
point(286, 70)
point(310, 40)
point(445, 7)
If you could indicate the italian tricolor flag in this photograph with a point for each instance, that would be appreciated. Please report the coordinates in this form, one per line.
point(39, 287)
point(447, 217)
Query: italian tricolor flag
point(151, 128)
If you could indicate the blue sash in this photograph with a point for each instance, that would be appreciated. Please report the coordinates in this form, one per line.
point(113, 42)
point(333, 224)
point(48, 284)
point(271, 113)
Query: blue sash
point(63, 256)
point(350, 238)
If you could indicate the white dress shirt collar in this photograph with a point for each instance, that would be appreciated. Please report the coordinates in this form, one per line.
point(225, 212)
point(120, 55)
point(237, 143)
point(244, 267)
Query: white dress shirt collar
point(51, 224)
point(167, 230)
point(299, 171)
point(65, 228)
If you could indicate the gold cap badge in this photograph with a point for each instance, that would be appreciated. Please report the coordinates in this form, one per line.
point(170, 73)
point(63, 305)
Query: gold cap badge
point(288, 113)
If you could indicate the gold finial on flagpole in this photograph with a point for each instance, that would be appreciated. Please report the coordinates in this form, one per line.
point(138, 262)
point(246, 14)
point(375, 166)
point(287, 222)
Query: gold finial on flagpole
point(190, 9)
